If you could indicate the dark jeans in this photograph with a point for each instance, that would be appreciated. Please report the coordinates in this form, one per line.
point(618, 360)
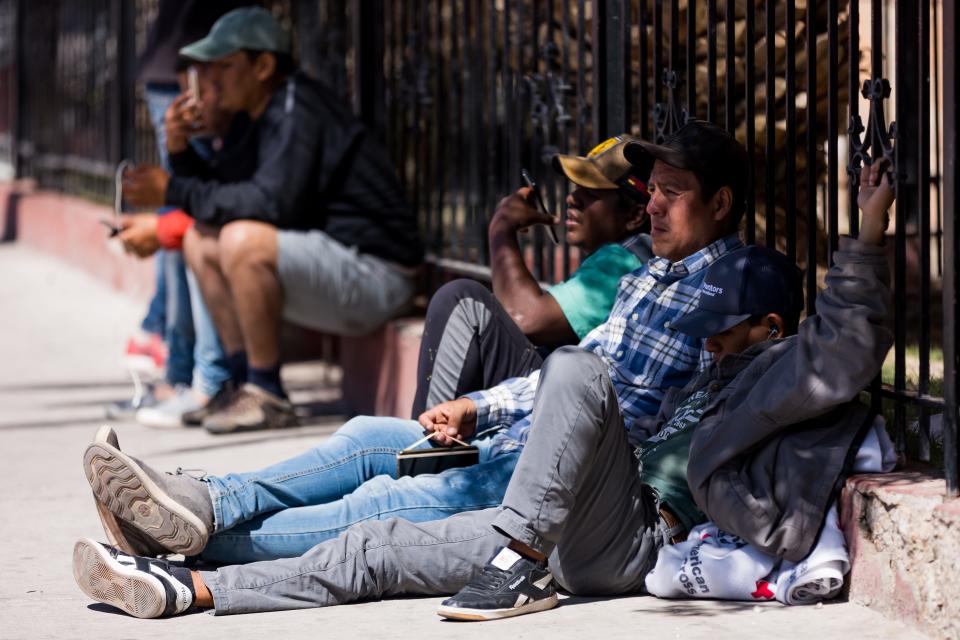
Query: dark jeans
point(469, 343)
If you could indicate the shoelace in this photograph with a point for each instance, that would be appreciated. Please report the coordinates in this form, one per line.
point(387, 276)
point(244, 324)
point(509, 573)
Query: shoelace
point(490, 579)
point(196, 474)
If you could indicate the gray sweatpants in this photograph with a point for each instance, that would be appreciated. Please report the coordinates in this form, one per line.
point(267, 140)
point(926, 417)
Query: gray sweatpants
point(575, 495)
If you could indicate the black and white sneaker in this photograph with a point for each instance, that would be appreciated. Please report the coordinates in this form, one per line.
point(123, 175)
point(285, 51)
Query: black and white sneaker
point(510, 585)
point(143, 587)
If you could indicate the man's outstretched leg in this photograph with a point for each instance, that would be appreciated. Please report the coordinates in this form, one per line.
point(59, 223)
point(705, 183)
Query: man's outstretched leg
point(370, 560)
point(575, 498)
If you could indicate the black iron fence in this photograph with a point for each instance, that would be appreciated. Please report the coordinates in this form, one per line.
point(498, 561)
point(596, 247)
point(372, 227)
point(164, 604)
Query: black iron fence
point(466, 92)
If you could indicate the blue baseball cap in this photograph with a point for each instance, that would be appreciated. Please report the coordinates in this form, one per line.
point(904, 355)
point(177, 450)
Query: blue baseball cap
point(252, 28)
point(747, 282)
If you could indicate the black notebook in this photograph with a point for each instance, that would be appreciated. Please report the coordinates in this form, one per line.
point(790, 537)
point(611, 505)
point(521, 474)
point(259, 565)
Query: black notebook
point(434, 460)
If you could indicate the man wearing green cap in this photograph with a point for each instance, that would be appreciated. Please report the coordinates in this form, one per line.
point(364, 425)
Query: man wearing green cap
point(317, 233)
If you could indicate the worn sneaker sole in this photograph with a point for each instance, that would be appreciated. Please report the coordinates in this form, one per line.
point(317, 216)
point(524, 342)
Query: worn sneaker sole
point(126, 491)
point(475, 615)
point(105, 580)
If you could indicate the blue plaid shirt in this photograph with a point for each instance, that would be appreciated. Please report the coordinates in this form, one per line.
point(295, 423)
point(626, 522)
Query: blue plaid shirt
point(644, 355)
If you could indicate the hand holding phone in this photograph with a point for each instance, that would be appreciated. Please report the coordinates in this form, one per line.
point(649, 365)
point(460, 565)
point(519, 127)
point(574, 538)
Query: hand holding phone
point(114, 230)
point(528, 181)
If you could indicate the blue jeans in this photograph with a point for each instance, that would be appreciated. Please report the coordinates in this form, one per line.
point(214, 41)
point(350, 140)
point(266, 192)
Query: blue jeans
point(287, 508)
point(195, 353)
point(210, 371)
point(170, 306)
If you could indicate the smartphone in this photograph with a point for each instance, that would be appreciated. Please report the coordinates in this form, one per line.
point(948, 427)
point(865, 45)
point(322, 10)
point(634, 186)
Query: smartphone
point(193, 84)
point(528, 181)
point(114, 229)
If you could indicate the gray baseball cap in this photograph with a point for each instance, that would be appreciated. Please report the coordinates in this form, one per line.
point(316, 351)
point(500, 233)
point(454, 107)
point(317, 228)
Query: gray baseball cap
point(252, 28)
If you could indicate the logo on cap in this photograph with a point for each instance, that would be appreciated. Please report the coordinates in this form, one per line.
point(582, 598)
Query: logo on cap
point(603, 146)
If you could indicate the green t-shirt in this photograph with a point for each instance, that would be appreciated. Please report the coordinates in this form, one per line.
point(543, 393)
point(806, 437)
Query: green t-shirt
point(587, 296)
point(663, 460)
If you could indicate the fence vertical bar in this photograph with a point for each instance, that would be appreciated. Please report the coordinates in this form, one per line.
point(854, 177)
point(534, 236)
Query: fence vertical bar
point(908, 86)
point(368, 85)
point(643, 74)
point(951, 249)
point(123, 20)
point(923, 211)
point(750, 124)
point(19, 100)
point(833, 131)
point(615, 68)
point(770, 123)
point(598, 41)
point(712, 60)
point(730, 75)
point(937, 138)
point(657, 56)
point(853, 107)
point(691, 75)
point(811, 177)
point(791, 151)
point(581, 75)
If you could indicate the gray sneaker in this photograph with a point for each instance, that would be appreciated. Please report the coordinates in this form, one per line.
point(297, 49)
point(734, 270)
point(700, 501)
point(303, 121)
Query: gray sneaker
point(174, 511)
point(122, 534)
point(169, 413)
point(251, 408)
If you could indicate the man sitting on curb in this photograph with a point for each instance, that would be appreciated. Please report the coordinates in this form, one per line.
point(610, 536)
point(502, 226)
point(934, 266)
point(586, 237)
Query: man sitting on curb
point(474, 339)
point(765, 408)
point(285, 509)
point(319, 233)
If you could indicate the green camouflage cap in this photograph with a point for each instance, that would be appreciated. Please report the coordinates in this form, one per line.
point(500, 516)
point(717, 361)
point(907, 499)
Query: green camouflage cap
point(252, 28)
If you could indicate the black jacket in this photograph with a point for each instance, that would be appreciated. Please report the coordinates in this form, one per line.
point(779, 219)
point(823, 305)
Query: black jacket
point(773, 444)
point(316, 167)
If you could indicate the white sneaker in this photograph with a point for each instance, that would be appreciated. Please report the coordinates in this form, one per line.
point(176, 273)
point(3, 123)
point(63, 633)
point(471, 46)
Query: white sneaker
point(143, 587)
point(169, 413)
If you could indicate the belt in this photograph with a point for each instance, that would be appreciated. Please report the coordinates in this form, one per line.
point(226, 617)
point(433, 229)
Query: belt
point(673, 528)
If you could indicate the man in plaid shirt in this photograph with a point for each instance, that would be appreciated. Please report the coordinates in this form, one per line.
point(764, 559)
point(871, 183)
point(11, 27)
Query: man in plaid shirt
point(644, 356)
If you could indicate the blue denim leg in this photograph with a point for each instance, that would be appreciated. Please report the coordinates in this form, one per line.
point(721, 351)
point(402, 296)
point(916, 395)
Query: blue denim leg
point(210, 370)
point(158, 98)
point(180, 334)
point(362, 448)
point(156, 319)
point(293, 531)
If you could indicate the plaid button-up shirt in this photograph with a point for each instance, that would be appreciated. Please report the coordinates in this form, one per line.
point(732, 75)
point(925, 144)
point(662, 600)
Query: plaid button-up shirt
point(644, 355)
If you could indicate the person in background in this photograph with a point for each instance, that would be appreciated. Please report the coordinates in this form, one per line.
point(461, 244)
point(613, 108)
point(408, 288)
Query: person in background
point(318, 232)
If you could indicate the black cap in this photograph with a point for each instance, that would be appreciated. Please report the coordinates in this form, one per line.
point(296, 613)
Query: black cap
point(747, 282)
point(709, 151)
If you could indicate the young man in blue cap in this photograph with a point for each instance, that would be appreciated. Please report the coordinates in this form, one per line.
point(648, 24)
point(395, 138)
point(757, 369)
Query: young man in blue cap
point(317, 231)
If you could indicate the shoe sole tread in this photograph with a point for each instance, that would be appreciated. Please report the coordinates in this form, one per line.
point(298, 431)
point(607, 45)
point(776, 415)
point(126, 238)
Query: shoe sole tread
point(104, 580)
point(130, 495)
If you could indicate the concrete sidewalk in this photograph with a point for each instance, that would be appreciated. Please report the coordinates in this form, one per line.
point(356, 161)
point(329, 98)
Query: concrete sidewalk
point(61, 336)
